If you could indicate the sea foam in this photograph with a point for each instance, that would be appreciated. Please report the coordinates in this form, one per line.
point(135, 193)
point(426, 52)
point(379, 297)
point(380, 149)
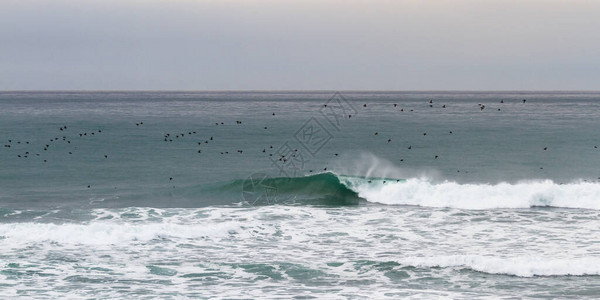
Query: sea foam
point(517, 266)
point(424, 192)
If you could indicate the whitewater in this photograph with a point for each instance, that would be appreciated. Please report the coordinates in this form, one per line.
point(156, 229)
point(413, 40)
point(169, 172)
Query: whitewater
point(424, 192)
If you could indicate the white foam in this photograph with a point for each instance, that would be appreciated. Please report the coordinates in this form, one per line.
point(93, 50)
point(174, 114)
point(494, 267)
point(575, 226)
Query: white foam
point(423, 192)
point(108, 233)
point(517, 266)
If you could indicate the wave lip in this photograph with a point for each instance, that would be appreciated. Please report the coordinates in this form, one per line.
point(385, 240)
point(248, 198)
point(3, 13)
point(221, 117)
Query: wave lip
point(422, 192)
point(519, 266)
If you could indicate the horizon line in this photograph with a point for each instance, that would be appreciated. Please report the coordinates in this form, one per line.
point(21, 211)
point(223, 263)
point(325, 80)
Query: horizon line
point(290, 90)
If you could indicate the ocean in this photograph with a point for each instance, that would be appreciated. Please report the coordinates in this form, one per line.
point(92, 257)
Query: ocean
point(303, 195)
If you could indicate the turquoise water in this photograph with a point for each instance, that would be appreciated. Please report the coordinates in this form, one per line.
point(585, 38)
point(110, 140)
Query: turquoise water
point(307, 194)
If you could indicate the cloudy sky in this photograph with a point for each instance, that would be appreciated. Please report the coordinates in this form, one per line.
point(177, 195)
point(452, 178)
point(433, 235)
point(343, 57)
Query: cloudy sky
point(299, 45)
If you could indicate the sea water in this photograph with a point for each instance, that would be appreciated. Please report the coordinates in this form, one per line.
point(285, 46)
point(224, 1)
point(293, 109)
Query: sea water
point(265, 195)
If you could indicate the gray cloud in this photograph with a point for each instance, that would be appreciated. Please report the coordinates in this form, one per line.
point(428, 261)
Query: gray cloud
point(393, 45)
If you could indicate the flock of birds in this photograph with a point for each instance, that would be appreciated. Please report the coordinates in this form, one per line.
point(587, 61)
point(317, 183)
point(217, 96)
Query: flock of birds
point(39, 151)
point(30, 151)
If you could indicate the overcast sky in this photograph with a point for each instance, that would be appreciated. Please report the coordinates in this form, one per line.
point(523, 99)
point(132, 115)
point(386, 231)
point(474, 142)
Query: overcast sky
point(299, 45)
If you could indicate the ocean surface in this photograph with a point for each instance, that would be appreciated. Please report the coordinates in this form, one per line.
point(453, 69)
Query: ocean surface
point(304, 195)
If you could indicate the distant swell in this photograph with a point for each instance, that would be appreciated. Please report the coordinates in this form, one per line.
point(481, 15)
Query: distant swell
point(519, 266)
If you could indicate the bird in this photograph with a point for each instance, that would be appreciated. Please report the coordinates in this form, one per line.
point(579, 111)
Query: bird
point(376, 133)
point(409, 147)
point(389, 140)
point(545, 148)
point(524, 100)
point(170, 178)
point(436, 157)
point(501, 101)
point(365, 105)
point(395, 104)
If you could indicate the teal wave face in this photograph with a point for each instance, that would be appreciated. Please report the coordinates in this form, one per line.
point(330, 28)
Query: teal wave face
point(317, 189)
point(326, 189)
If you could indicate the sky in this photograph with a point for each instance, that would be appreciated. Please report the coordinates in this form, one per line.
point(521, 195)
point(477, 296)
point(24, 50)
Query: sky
point(299, 45)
